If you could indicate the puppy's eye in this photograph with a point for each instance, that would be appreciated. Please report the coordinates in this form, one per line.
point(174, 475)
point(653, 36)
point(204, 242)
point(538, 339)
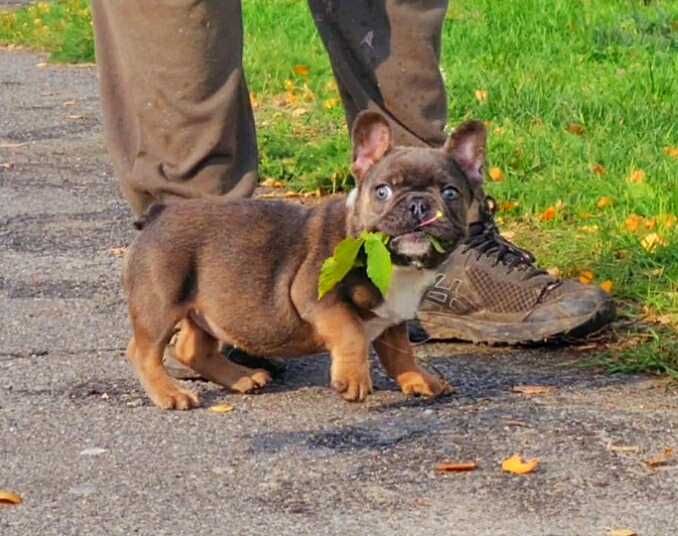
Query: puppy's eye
point(383, 192)
point(449, 193)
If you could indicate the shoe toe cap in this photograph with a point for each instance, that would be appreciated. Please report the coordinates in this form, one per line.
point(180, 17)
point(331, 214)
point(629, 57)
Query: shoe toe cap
point(574, 301)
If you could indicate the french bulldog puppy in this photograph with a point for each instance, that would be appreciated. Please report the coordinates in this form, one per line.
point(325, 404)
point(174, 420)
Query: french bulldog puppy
point(245, 273)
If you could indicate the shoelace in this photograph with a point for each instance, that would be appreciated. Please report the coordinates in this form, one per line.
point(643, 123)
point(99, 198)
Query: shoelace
point(485, 239)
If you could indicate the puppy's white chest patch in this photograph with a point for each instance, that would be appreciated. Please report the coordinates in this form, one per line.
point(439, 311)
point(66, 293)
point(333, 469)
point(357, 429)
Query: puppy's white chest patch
point(402, 301)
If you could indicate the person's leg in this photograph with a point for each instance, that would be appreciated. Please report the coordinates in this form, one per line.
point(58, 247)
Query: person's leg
point(385, 56)
point(177, 116)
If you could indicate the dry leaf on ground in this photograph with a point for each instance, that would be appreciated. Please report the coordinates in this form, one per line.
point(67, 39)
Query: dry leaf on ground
point(598, 169)
point(278, 195)
point(662, 458)
point(607, 286)
point(301, 70)
point(633, 222)
point(622, 532)
point(637, 175)
point(549, 214)
point(9, 497)
point(576, 128)
point(272, 183)
point(496, 174)
point(456, 467)
point(481, 95)
point(604, 202)
point(221, 408)
point(554, 271)
point(532, 389)
point(506, 206)
point(516, 465)
point(623, 448)
point(671, 151)
point(652, 241)
point(586, 277)
point(118, 251)
point(330, 104)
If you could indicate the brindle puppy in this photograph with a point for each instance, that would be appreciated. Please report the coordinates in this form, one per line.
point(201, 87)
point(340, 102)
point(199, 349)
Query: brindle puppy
point(245, 273)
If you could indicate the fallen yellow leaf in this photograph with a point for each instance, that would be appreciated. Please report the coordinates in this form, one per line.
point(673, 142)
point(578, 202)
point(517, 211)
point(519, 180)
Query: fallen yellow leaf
point(330, 104)
point(301, 70)
point(652, 241)
point(586, 277)
point(9, 497)
point(633, 222)
point(221, 408)
point(622, 532)
point(481, 95)
point(607, 286)
point(496, 174)
point(671, 152)
point(331, 85)
point(637, 175)
point(667, 220)
point(598, 169)
point(456, 467)
point(272, 183)
point(604, 202)
point(549, 214)
point(576, 128)
point(118, 251)
point(507, 206)
point(298, 112)
point(516, 465)
point(589, 229)
point(662, 458)
point(532, 389)
point(554, 271)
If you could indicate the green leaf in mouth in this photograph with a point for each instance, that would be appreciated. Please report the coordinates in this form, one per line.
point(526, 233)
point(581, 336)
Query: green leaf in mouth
point(435, 243)
point(346, 257)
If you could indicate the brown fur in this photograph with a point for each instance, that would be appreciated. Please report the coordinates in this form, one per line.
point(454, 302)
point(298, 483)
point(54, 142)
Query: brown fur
point(245, 273)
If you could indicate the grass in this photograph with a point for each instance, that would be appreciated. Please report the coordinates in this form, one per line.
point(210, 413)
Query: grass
point(580, 97)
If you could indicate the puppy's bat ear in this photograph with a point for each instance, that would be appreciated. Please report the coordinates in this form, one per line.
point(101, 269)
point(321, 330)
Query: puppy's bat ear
point(467, 147)
point(372, 139)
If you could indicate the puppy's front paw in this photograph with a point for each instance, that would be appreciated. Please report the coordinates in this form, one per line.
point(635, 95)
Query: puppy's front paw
point(421, 383)
point(353, 385)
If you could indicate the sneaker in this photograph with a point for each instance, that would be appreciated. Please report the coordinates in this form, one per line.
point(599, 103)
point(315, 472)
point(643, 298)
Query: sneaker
point(492, 292)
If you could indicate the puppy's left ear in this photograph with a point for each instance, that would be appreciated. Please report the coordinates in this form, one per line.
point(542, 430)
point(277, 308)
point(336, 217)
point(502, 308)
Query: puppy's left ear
point(467, 146)
point(372, 139)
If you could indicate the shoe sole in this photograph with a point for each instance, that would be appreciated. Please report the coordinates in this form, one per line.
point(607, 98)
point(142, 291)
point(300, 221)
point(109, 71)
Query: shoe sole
point(441, 326)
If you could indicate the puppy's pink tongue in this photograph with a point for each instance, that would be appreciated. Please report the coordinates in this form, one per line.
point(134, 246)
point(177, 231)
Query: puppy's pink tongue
point(430, 220)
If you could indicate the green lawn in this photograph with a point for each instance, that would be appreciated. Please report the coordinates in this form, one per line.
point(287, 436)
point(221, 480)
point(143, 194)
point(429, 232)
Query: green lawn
point(581, 99)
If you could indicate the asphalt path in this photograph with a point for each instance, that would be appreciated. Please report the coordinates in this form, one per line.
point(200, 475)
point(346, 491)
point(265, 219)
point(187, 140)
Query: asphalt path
point(81, 444)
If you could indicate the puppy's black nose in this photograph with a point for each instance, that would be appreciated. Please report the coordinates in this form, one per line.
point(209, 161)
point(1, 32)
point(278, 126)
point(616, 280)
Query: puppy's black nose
point(419, 207)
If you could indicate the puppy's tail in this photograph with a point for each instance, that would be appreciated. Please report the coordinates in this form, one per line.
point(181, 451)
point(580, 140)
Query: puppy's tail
point(152, 213)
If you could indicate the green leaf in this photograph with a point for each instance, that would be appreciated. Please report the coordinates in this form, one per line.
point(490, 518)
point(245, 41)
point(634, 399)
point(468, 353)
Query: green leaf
point(436, 244)
point(335, 268)
point(379, 266)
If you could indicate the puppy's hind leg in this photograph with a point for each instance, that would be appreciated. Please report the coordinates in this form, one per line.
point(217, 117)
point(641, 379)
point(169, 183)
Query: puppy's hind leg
point(145, 353)
point(200, 351)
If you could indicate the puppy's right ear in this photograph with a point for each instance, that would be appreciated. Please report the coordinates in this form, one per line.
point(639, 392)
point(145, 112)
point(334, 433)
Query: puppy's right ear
point(372, 139)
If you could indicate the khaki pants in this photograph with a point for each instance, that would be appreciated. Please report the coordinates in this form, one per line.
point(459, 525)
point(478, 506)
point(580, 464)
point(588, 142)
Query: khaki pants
point(177, 115)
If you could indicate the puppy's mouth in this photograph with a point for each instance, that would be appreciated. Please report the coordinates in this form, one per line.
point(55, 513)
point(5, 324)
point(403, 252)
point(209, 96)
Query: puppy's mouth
point(413, 244)
point(420, 248)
